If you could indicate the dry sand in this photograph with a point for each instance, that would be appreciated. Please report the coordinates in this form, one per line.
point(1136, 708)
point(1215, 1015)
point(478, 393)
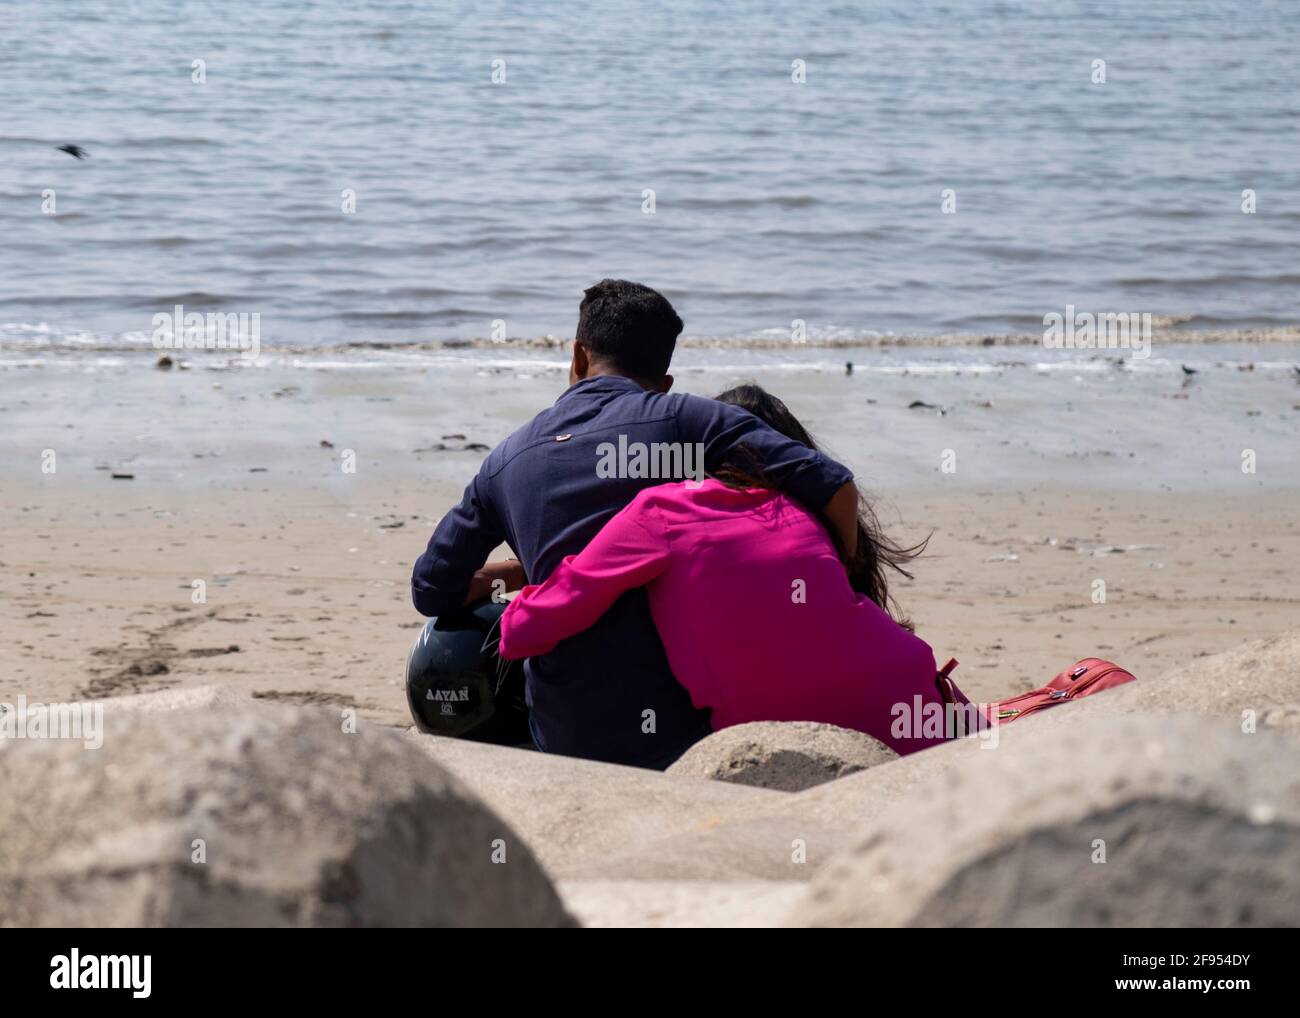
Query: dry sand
point(307, 598)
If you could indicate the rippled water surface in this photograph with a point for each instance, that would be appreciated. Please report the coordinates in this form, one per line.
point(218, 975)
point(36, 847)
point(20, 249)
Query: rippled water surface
point(774, 200)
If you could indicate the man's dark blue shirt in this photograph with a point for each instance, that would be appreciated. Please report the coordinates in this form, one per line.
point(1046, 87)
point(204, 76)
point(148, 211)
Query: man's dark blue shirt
point(540, 492)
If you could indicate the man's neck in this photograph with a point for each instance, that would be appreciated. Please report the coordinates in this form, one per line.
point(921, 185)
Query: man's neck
point(603, 372)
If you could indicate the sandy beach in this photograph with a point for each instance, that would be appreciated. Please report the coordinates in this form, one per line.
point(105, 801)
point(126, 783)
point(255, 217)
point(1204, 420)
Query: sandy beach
point(219, 554)
point(307, 595)
point(302, 568)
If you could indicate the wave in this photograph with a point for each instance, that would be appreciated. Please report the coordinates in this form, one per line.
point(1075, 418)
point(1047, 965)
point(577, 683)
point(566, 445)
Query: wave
point(780, 201)
point(1221, 279)
point(28, 338)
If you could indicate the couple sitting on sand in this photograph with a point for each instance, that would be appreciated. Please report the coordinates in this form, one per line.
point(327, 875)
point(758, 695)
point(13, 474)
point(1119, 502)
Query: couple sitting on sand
point(653, 611)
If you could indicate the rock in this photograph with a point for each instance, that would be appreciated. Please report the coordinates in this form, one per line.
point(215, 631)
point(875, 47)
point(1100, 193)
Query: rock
point(788, 756)
point(585, 819)
point(590, 821)
point(181, 699)
point(1254, 676)
point(1263, 676)
point(679, 904)
point(853, 802)
point(1286, 718)
point(298, 823)
point(787, 836)
point(1200, 824)
point(781, 847)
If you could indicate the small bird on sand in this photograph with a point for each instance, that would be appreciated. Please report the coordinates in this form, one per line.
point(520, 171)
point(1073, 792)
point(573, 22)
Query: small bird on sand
point(848, 367)
point(76, 151)
point(1188, 371)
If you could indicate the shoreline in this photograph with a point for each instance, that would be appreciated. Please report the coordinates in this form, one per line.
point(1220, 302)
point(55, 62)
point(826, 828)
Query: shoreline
point(1008, 424)
point(1166, 332)
point(870, 340)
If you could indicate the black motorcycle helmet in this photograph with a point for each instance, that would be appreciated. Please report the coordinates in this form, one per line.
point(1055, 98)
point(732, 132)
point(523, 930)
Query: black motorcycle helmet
point(457, 686)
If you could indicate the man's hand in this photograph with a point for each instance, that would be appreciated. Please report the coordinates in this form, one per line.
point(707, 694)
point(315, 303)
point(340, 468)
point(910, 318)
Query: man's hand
point(842, 514)
point(484, 584)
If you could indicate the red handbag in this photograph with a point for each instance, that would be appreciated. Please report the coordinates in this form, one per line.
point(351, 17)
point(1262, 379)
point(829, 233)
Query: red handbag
point(1083, 678)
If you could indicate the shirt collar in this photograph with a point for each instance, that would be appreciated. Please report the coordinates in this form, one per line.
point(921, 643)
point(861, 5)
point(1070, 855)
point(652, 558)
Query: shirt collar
point(600, 383)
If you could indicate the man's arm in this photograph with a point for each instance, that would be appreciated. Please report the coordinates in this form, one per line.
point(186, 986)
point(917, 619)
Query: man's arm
point(496, 577)
point(443, 577)
point(813, 478)
point(841, 513)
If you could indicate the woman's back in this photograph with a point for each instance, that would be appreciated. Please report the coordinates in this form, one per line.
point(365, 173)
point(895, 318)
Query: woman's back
point(754, 608)
point(760, 623)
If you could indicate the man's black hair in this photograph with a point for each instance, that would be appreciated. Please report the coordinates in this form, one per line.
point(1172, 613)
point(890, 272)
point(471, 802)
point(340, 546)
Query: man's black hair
point(630, 327)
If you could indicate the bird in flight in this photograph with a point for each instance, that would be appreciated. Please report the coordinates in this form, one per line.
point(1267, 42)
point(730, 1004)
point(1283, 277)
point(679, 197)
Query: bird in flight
point(76, 151)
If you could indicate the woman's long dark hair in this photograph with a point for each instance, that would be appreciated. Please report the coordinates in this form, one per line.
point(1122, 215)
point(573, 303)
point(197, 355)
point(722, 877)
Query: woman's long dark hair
point(876, 554)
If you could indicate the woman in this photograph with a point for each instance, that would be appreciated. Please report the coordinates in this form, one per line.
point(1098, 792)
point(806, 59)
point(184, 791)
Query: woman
point(760, 617)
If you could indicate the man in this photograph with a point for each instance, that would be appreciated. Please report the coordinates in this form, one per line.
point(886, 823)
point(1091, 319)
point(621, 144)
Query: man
point(607, 693)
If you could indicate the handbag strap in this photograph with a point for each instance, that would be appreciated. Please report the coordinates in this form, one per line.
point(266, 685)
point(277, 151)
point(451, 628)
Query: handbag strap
point(944, 684)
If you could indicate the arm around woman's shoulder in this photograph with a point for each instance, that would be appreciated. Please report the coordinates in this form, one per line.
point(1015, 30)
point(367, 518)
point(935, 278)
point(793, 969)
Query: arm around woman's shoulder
point(630, 551)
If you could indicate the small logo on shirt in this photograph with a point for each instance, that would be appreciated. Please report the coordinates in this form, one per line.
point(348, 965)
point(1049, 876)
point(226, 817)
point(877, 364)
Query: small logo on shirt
point(563, 438)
